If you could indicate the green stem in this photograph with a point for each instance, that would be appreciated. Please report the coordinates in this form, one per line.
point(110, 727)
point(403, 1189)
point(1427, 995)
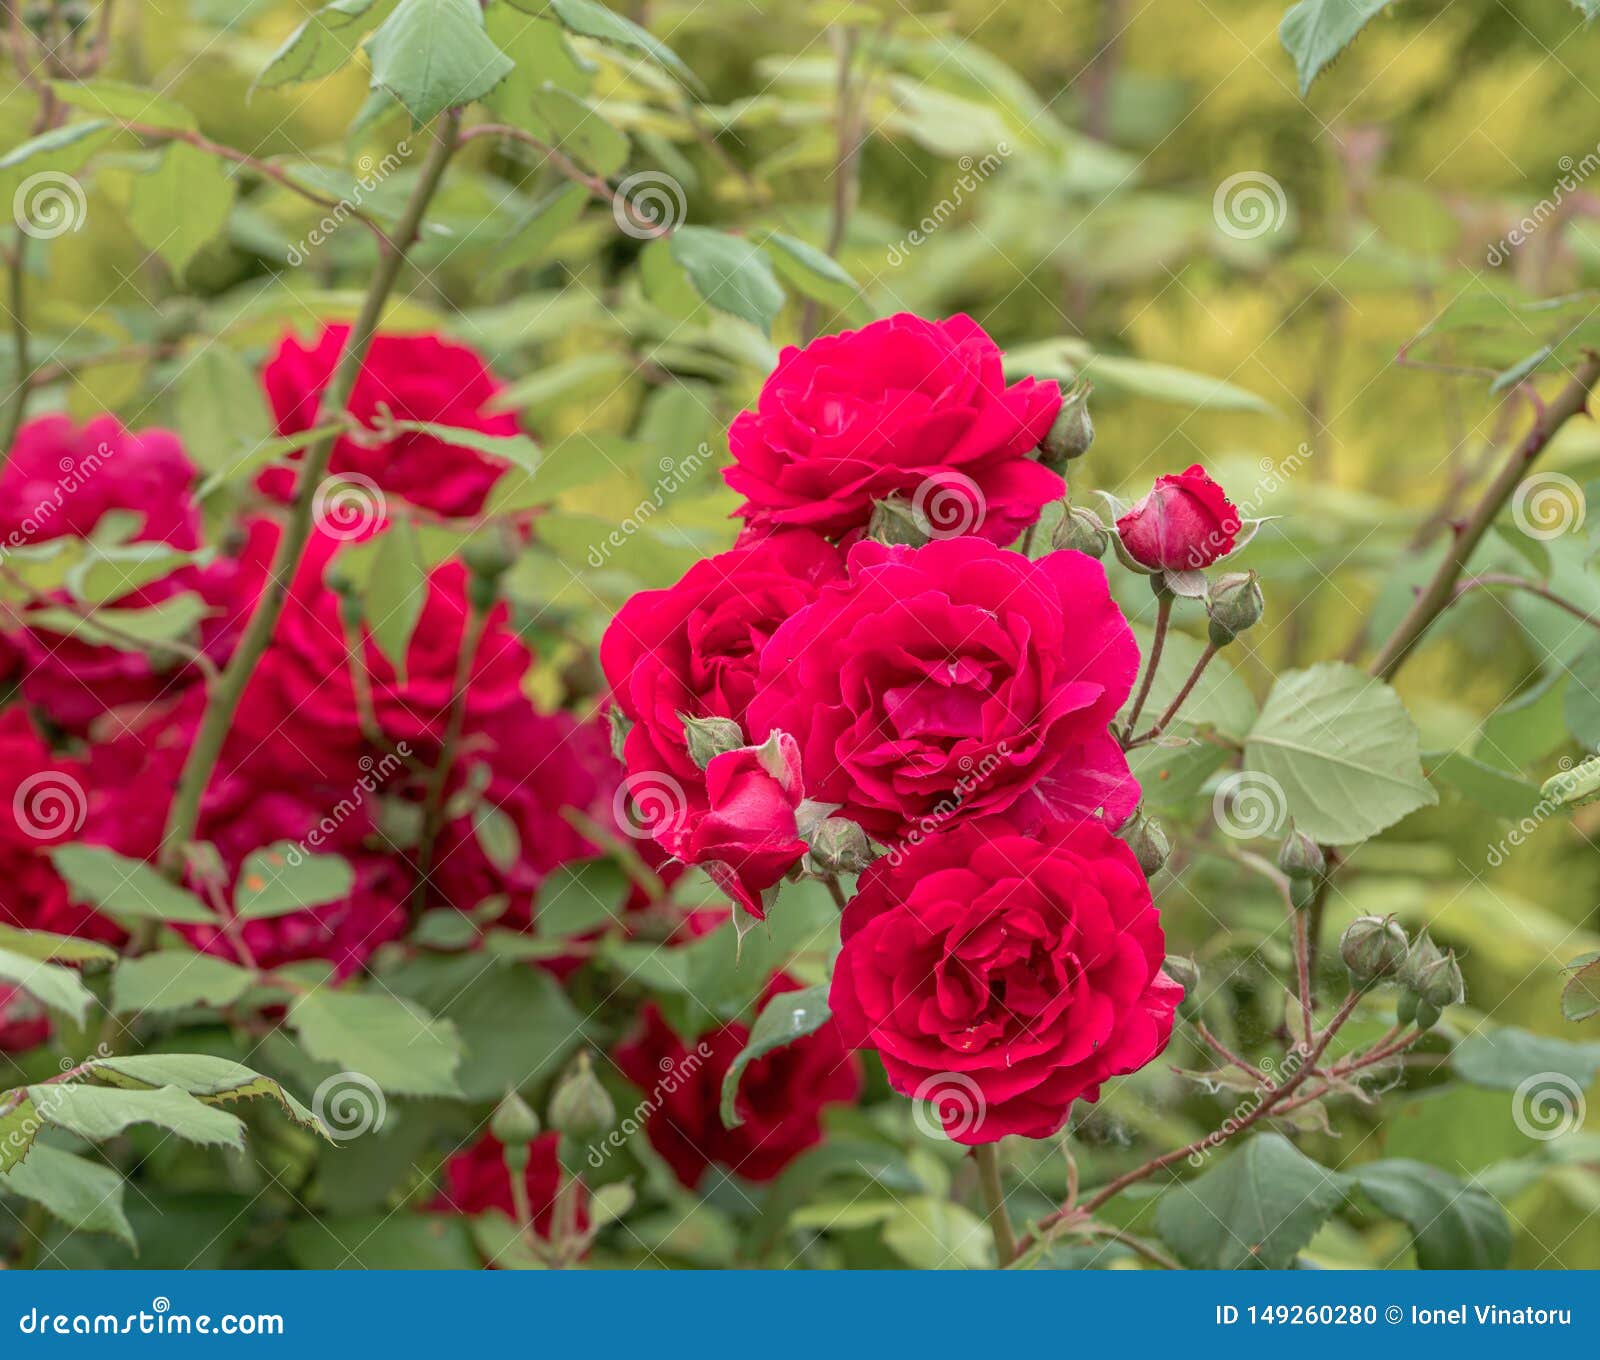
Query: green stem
point(994, 1198)
point(18, 406)
point(1160, 726)
point(229, 690)
point(1163, 618)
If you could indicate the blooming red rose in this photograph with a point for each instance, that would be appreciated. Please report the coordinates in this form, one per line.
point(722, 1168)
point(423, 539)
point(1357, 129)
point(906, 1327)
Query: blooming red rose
point(694, 648)
point(745, 835)
point(1003, 976)
point(1185, 523)
point(476, 1181)
point(417, 377)
point(23, 1022)
point(63, 481)
point(902, 407)
point(781, 1096)
point(955, 678)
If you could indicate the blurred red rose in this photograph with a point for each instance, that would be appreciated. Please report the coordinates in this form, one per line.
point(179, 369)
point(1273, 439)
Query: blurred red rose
point(781, 1096)
point(418, 378)
point(955, 679)
point(1003, 976)
point(903, 407)
point(476, 1181)
point(1185, 523)
point(23, 1022)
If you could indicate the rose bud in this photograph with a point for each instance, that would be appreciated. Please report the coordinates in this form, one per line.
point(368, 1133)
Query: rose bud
point(1080, 530)
point(619, 725)
point(1148, 842)
point(1184, 971)
point(1440, 984)
point(839, 846)
point(1373, 947)
point(514, 1123)
point(1421, 956)
point(1301, 858)
point(488, 555)
point(1185, 523)
point(708, 738)
point(1233, 605)
point(580, 1107)
point(1072, 432)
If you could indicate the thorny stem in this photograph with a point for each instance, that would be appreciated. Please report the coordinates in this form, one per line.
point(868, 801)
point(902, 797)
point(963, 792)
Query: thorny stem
point(229, 689)
point(994, 1199)
point(1160, 725)
point(1493, 578)
point(1163, 618)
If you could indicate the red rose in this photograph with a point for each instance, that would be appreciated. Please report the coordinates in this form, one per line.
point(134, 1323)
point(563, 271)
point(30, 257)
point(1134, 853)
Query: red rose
point(417, 377)
point(956, 677)
point(745, 836)
point(1003, 976)
point(61, 481)
point(904, 406)
point(23, 1022)
point(781, 1096)
point(476, 1181)
point(694, 648)
point(1185, 523)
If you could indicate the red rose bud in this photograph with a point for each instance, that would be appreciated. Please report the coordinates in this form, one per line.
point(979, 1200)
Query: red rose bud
point(1233, 605)
point(1072, 432)
point(708, 738)
point(1373, 948)
point(855, 418)
point(1080, 530)
point(1185, 523)
point(746, 833)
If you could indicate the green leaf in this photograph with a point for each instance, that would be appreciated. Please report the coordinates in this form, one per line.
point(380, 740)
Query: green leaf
point(809, 271)
point(41, 944)
point(385, 1241)
point(174, 979)
point(785, 1018)
point(1590, 9)
point(283, 878)
point(64, 148)
point(86, 1197)
point(268, 451)
point(931, 1233)
point(214, 1081)
point(1581, 707)
point(497, 836)
point(98, 1113)
point(51, 985)
point(729, 273)
point(512, 448)
point(527, 242)
point(1580, 998)
point(578, 898)
point(1314, 32)
point(222, 414)
point(323, 43)
point(1343, 750)
point(1456, 1226)
point(128, 630)
point(1574, 788)
point(433, 55)
point(1494, 789)
point(393, 583)
point(125, 103)
point(126, 888)
point(181, 204)
point(108, 572)
point(19, 1126)
point(1256, 1210)
point(1165, 382)
point(576, 129)
point(589, 19)
point(394, 1043)
point(1504, 1059)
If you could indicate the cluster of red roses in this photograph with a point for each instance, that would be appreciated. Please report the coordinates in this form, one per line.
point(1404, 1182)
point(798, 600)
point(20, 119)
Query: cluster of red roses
point(947, 697)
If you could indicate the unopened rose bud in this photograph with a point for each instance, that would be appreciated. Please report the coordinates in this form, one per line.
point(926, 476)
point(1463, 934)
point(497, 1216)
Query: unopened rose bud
point(1301, 858)
point(1071, 433)
point(489, 554)
point(708, 738)
point(514, 1123)
point(1148, 842)
point(1405, 1008)
point(1421, 956)
point(1184, 971)
point(839, 846)
point(1233, 605)
point(895, 521)
point(1427, 1014)
point(1373, 947)
point(580, 1107)
point(1080, 530)
point(483, 592)
point(1440, 984)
